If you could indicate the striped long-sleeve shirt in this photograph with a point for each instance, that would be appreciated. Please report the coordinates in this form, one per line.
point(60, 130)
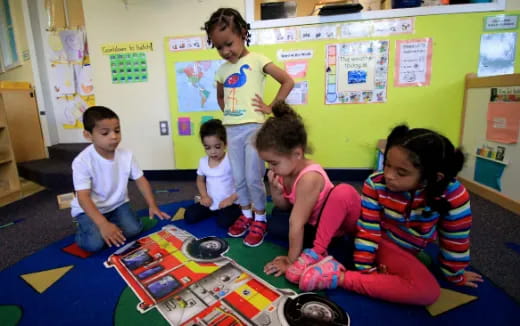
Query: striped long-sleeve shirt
point(399, 215)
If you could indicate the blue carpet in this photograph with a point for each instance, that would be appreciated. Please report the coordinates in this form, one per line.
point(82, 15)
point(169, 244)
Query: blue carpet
point(89, 293)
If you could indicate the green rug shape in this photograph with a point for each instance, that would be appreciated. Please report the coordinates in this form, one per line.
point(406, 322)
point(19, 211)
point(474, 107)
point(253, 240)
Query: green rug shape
point(255, 258)
point(10, 315)
point(126, 312)
point(148, 223)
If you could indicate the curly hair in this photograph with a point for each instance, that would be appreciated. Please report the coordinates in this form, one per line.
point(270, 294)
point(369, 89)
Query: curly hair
point(283, 132)
point(224, 18)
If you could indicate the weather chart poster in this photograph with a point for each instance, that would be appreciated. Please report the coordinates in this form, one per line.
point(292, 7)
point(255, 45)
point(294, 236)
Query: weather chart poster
point(356, 72)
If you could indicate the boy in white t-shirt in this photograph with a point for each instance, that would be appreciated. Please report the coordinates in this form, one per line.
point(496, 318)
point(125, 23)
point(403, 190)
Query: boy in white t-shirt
point(214, 179)
point(100, 174)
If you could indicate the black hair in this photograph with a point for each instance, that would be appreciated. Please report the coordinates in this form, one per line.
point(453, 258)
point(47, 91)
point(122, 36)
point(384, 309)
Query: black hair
point(213, 127)
point(228, 17)
point(283, 132)
point(431, 153)
point(96, 113)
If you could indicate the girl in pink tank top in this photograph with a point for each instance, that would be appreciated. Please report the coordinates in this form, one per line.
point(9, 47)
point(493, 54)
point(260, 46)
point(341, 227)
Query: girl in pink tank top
point(317, 208)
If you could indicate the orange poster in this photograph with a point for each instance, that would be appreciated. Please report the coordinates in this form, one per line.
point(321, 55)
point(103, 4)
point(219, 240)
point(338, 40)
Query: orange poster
point(503, 122)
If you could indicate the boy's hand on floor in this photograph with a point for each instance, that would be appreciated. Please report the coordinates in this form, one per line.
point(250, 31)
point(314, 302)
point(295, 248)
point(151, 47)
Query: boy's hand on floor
point(155, 211)
point(472, 279)
point(112, 234)
point(277, 266)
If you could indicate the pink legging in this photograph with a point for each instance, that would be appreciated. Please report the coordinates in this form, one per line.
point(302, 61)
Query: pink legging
point(406, 280)
point(339, 216)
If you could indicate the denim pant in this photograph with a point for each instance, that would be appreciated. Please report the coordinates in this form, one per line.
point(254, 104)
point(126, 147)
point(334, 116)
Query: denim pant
point(248, 169)
point(88, 236)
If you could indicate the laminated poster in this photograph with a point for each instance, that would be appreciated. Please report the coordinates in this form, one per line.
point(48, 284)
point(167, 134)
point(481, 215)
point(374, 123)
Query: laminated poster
point(356, 72)
point(503, 122)
point(413, 62)
point(497, 54)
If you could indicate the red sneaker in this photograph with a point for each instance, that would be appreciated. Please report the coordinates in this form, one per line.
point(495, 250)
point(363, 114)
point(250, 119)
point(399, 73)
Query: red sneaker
point(240, 227)
point(257, 232)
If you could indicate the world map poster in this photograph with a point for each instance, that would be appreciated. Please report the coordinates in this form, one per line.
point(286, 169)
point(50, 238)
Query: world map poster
point(196, 86)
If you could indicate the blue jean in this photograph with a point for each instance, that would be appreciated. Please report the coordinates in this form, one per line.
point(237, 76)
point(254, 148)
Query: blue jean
point(88, 236)
point(247, 166)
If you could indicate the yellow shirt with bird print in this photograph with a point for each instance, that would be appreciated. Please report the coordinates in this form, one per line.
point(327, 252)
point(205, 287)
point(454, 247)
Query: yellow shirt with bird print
point(242, 81)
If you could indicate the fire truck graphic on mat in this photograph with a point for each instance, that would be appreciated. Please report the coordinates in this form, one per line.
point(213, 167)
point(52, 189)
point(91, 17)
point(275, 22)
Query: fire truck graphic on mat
point(190, 282)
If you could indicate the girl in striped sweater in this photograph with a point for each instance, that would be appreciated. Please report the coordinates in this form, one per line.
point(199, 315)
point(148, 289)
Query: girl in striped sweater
point(414, 201)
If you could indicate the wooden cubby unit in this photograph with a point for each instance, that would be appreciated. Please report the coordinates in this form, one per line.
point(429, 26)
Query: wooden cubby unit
point(9, 181)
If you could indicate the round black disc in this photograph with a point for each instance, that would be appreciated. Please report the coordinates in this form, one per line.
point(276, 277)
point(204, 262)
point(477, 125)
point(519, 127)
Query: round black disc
point(207, 248)
point(309, 309)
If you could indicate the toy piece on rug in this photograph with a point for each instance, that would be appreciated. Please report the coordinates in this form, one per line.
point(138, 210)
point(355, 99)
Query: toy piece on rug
point(75, 250)
point(41, 281)
point(179, 215)
point(64, 200)
point(449, 300)
point(148, 223)
point(10, 315)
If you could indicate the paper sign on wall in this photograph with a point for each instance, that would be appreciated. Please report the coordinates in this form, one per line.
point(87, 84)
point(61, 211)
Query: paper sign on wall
point(299, 94)
point(413, 62)
point(503, 122)
point(497, 54)
point(62, 78)
point(294, 54)
point(297, 68)
point(179, 44)
point(492, 23)
point(128, 47)
point(323, 32)
point(184, 126)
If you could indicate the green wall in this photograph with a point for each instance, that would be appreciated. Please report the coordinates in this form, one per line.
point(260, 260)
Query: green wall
point(345, 136)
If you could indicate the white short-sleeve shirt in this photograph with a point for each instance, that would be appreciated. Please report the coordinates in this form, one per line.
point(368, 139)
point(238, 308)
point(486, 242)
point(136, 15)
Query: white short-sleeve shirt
point(106, 179)
point(219, 180)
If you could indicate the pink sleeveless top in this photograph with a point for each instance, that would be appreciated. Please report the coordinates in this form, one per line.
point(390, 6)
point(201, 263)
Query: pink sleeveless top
point(291, 197)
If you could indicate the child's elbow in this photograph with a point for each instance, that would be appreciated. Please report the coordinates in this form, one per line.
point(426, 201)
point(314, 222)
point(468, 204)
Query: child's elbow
point(290, 82)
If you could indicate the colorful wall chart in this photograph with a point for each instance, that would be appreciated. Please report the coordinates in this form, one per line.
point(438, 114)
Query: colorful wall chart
point(129, 68)
point(356, 72)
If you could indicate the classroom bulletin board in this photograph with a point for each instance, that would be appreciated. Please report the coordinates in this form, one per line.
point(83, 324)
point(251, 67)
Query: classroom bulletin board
point(490, 137)
point(345, 135)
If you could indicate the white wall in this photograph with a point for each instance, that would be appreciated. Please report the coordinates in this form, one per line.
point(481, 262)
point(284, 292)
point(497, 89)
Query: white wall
point(142, 105)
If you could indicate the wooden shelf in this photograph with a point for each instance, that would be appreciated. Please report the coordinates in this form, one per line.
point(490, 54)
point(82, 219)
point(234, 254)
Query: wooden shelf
point(9, 182)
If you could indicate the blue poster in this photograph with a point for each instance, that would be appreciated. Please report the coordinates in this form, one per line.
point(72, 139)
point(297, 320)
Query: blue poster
point(489, 173)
